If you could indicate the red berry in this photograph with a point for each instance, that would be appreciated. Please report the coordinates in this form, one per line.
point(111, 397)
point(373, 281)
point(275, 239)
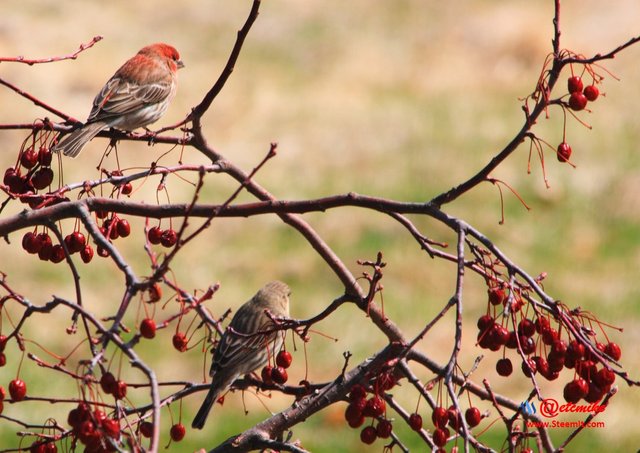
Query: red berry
point(154, 235)
point(357, 392)
point(375, 407)
point(42, 178)
point(526, 327)
point(180, 341)
point(177, 432)
point(3, 393)
point(541, 324)
point(575, 350)
point(111, 428)
point(102, 214)
point(575, 390)
point(564, 152)
point(266, 374)
point(604, 377)
point(44, 156)
point(123, 227)
point(439, 417)
point(586, 369)
point(120, 390)
point(496, 296)
point(86, 254)
point(17, 389)
point(279, 375)
point(613, 351)
point(591, 92)
point(86, 431)
point(78, 415)
point(57, 254)
point(595, 393)
point(108, 383)
point(512, 342)
point(75, 242)
point(504, 367)
point(577, 101)
point(473, 416)
point(102, 252)
point(528, 345)
point(45, 251)
point(384, 428)
point(574, 84)
point(146, 429)
point(415, 422)
point(29, 158)
point(485, 322)
point(3, 360)
point(353, 415)
point(368, 435)
point(440, 436)
point(283, 359)
point(455, 419)
point(30, 243)
point(126, 188)
point(148, 328)
point(169, 238)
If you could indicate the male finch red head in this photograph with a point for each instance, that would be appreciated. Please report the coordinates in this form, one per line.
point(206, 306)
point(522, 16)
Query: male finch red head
point(137, 95)
point(247, 344)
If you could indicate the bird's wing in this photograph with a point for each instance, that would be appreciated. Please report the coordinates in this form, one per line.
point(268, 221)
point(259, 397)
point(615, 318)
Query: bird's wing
point(118, 97)
point(235, 349)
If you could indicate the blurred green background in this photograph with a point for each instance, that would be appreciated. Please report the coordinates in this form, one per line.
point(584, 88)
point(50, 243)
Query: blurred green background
point(396, 99)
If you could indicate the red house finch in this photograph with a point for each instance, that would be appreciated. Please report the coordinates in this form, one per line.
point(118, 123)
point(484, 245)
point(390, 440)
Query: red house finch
point(242, 349)
point(137, 95)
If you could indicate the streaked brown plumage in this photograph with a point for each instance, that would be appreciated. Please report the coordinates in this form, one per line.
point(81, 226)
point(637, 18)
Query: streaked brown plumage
point(237, 355)
point(137, 95)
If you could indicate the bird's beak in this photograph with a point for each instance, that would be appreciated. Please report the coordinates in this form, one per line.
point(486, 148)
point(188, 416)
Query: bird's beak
point(179, 64)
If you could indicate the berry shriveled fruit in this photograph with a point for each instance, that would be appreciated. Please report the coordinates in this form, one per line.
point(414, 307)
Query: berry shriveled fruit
point(180, 341)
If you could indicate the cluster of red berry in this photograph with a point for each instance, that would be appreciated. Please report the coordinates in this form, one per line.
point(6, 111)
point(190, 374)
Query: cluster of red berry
point(547, 353)
point(579, 96)
point(31, 173)
point(94, 429)
point(360, 407)
point(277, 374)
point(167, 238)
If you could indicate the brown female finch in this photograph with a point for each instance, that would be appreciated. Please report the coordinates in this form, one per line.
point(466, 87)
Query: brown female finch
point(137, 95)
point(243, 348)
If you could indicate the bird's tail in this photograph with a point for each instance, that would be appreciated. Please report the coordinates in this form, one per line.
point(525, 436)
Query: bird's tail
point(73, 144)
point(207, 405)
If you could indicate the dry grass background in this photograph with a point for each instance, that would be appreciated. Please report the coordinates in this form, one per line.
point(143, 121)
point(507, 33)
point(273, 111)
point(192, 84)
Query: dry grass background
point(397, 99)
